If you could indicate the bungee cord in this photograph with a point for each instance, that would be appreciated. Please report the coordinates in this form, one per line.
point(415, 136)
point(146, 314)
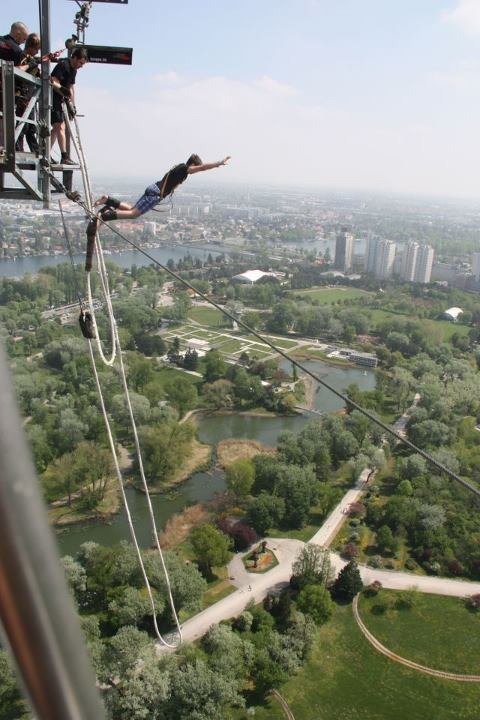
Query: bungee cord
point(117, 351)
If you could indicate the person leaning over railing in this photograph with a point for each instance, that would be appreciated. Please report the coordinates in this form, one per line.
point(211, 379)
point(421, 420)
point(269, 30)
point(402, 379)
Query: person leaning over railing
point(10, 44)
point(29, 63)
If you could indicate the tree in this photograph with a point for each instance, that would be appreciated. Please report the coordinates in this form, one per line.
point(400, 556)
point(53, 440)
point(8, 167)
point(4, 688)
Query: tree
point(130, 605)
point(140, 372)
point(75, 575)
point(143, 691)
point(150, 345)
point(12, 705)
point(243, 536)
point(298, 487)
point(218, 395)
point(316, 601)
point(348, 582)
point(240, 476)
point(385, 539)
point(182, 394)
point(165, 446)
point(190, 359)
point(199, 692)
point(215, 366)
point(312, 566)
point(265, 511)
point(140, 407)
point(211, 547)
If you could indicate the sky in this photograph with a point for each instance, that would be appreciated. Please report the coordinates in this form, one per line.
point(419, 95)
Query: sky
point(370, 95)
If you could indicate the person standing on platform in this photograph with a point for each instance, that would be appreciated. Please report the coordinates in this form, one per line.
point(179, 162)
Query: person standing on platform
point(10, 44)
point(63, 81)
point(30, 63)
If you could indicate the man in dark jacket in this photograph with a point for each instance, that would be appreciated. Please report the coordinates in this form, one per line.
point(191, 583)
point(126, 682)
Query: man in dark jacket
point(10, 44)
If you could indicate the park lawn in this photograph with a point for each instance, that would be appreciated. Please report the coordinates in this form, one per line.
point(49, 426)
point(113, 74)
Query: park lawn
point(346, 679)
point(333, 294)
point(440, 330)
point(438, 631)
point(281, 342)
point(228, 345)
point(208, 316)
point(166, 374)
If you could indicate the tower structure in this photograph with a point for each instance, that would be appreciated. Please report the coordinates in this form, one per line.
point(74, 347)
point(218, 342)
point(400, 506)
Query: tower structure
point(409, 261)
point(384, 257)
point(423, 266)
point(344, 251)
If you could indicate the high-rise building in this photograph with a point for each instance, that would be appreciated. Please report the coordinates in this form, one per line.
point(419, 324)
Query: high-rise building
point(476, 265)
point(384, 258)
point(423, 266)
point(344, 251)
point(409, 261)
point(371, 254)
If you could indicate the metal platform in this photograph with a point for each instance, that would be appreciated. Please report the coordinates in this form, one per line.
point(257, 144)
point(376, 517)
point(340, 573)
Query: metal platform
point(22, 174)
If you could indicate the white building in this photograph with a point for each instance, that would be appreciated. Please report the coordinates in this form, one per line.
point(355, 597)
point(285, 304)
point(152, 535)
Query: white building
point(409, 261)
point(453, 313)
point(384, 259)
point(250, 277)
point(423, 266)
point(476, 265)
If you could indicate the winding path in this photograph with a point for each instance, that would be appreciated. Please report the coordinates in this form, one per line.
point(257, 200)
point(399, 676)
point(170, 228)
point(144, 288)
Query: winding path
point(403, 661)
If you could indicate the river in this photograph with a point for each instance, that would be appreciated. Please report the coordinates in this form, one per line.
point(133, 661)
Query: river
point(21, 266)
point(203, 486)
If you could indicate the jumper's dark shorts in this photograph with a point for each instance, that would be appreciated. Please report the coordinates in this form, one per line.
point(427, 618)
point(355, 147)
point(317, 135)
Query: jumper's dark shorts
point(149, 199)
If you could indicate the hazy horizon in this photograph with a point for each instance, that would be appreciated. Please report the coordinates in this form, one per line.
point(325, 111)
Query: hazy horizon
point(370, 97)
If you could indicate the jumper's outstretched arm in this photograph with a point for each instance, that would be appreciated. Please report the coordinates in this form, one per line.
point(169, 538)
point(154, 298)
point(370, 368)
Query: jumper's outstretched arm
point(207, 166)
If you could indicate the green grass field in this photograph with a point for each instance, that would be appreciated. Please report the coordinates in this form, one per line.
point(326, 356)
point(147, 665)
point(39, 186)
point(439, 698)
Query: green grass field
point(208, 316)
point(438, 631)
point(441, 330)
point(346, 679)
point(332, 294)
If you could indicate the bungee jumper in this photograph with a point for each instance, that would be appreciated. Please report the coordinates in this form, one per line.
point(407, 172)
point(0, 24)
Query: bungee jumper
point(156, 192)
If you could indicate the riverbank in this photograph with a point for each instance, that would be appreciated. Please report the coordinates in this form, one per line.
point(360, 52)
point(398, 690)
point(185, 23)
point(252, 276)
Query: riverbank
point(230, 450)
point(199, 458)
point(313, 354)
point(65, 515)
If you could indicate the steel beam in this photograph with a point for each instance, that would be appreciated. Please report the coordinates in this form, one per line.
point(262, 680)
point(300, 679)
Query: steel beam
point(45, 98)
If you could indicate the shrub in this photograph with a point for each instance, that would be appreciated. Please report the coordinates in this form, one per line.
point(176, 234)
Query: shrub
point(354, 537)
point(373, 589)
point(410, 564)
point(376, 561)
point(406, 600)
point(350, 550)
point(473, 602)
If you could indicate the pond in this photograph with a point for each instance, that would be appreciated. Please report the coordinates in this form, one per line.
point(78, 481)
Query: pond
point(202, 486)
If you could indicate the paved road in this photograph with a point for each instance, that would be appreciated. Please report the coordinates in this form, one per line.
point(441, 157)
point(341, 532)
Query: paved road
point(334, 521)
